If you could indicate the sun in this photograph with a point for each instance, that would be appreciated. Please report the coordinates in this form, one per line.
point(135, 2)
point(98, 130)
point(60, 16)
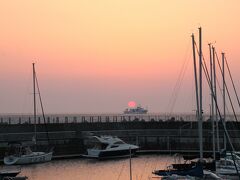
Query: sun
point(131, 104)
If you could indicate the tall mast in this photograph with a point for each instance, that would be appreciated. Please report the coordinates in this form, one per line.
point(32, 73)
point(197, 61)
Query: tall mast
point(195, 75)
point(200, 96)
point(34, 103)
point(215, 94)
point(212, 102)
point(224, 99)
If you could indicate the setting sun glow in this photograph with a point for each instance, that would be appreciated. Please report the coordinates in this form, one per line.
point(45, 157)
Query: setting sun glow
point(95, 55)
point(131, 104)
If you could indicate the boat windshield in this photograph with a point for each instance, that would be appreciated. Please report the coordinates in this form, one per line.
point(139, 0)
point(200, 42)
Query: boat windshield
point(119, 142)
point(100, 146)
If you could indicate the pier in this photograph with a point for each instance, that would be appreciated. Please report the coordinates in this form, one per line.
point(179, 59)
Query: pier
point(92, 118)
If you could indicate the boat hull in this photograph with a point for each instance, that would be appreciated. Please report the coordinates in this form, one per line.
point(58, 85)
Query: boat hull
point(105, 154)
point(118, 153)
point(36, 157)
point(196, 171)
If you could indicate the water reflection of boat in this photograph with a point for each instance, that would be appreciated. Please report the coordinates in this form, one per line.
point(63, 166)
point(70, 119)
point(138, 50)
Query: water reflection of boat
point(9, 173)
point(103, 147)
point(15, 178)
point(137, 110)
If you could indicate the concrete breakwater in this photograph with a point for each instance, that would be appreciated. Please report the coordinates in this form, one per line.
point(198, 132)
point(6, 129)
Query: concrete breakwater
point(69, 138)
point(91, 118)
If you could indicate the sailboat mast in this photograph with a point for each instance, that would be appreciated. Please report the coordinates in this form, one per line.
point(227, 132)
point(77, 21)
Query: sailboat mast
point(34, 103)
point(215, 93)
point(224, 99)
point(195, 74)
point(200, 97)
point(212, 102)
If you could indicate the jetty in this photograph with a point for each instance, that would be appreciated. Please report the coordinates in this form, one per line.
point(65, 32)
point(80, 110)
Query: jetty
point(154, 133)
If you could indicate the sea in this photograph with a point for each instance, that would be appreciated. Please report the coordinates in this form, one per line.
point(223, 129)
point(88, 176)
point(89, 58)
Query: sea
point(91, 169)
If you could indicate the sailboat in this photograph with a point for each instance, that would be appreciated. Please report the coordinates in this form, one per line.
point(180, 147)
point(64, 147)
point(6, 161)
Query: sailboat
point(195, 169)
point(23, 154)
point(191, 169)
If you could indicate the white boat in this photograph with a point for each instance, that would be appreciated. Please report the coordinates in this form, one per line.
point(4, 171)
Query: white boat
point(226, 168)
point(34, 157)
point(23, 154)
point(207, 175)
point(109, 147)
point(137, 110)
point(233, 156)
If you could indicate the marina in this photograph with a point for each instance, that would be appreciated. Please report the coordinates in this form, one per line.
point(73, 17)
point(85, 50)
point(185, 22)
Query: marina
point(69, 139)
point(95, 57)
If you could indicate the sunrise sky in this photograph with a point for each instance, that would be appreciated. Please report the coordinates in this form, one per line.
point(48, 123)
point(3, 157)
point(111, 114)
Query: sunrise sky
point(95, 56)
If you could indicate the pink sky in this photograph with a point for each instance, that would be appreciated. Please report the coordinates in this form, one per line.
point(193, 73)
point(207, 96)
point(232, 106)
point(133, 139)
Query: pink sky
point(96, 56)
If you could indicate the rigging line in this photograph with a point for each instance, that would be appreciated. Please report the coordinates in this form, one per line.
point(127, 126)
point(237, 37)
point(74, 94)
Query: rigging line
point(235, 116)
point(121, 171)
point(219, 113)
point(175, 89)
point(217, 83)
point(178, 84)
point(214, 97)
point(42, 108)
point(220, 90)
point(230, 74)
point(227, 109)
point(229, 97)
point(218, 110)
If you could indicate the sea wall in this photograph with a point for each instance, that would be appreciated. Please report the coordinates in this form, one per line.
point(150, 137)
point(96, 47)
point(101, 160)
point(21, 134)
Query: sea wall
point(152, 136)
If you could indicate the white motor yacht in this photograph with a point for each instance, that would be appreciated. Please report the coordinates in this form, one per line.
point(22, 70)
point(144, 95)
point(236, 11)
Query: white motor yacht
point(109, 147)
point(137, 110)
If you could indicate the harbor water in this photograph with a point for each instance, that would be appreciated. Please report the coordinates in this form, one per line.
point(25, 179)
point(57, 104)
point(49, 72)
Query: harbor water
point(90, 169)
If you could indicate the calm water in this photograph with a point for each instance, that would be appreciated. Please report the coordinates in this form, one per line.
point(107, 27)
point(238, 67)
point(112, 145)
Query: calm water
point(84, 169)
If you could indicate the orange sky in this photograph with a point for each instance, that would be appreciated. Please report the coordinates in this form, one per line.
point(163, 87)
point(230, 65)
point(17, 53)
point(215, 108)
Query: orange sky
point(96, 56)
